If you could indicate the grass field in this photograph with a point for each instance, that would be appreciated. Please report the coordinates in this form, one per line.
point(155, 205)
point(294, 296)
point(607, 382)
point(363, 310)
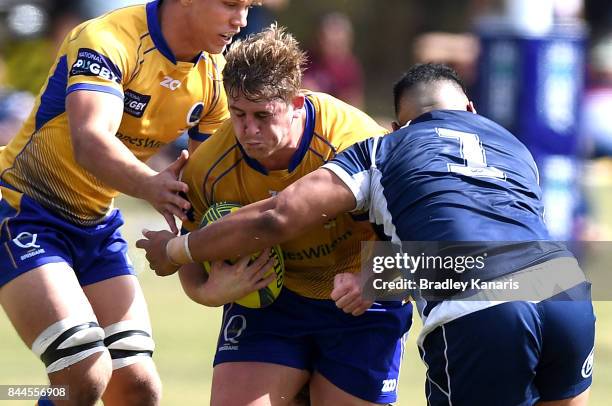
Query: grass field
point(185, 334)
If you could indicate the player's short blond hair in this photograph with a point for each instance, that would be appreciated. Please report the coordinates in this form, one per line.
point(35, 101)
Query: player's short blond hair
point(264, 66)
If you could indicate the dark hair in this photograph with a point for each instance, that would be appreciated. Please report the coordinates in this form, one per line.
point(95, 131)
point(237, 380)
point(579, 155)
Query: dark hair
point(424, 73)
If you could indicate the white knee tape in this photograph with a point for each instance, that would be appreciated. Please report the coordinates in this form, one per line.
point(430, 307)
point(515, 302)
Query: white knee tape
point(128, 342)
point(67, 342)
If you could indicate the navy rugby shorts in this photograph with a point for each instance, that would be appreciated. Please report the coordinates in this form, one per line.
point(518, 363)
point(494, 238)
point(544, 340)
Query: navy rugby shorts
point(512, 354)
point(360, 355)
point(33, 236)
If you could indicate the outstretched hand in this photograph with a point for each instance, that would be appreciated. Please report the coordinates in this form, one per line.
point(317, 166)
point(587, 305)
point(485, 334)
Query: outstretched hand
point(347, 294)
point(163, 190)
point(154, 244)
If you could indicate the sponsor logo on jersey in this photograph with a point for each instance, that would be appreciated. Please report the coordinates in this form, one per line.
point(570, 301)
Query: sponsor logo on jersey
point(319, 251)
point(170, 83)
point(135, 103)
point(91, 63)
point(140, 142)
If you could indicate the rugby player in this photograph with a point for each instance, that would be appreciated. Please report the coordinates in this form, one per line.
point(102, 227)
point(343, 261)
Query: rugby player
point(122, 86)
point(277, 134)
point(449, 175)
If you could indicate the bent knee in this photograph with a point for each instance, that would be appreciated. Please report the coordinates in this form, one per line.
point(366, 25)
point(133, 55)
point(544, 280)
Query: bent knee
point(136, 384)
point(86, 380)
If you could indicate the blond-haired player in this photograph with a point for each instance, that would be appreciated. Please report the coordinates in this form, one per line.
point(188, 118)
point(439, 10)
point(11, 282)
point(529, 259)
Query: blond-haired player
point(277, 134)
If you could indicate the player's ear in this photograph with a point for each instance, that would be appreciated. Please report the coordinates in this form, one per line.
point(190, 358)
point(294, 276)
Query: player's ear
point(395, 125)
point(298, 104)
point(471, 108)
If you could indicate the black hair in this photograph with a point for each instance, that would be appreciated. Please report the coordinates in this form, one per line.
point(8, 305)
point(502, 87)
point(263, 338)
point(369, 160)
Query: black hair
point(424, 73)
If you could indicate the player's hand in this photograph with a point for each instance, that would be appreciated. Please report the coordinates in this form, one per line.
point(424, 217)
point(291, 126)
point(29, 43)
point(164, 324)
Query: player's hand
point(228, 283)
point(347, 294)
point(154, 244)
point(162, 192)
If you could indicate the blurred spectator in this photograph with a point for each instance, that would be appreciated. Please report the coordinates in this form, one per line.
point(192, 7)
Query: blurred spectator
point(261, 17)
point(333, 67)
point(64, 15)
point(29, 54)
point(95, 8)
point(36, 31)
point(14, 109)
point(599, 15)
point(459, 51)
point(597, 102)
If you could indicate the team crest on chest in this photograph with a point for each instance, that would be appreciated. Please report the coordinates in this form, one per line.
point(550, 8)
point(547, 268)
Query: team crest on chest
point(195, 113)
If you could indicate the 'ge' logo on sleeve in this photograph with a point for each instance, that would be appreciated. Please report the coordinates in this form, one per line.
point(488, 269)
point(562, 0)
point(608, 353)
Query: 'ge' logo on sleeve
point(135, 103)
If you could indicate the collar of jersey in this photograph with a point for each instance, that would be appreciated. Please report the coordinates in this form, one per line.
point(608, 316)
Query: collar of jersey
point(156, 32)
point(302, 148)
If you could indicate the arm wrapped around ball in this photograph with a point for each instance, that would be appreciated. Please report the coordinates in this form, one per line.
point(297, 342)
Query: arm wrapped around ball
point(225, 283)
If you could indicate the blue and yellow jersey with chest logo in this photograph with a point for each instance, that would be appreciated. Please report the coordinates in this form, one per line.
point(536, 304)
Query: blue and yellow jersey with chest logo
point(122, 53)
point(219, 170)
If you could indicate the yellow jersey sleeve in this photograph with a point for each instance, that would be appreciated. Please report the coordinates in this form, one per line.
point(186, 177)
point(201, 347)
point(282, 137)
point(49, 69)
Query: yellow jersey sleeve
point(97, 59)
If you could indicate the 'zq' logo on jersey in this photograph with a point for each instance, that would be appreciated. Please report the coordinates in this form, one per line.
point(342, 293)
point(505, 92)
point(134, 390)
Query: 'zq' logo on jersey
point(170, 83)
point(134, 103)
point(91, 63)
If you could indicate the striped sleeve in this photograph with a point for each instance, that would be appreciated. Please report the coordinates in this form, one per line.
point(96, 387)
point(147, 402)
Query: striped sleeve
point(353, 166)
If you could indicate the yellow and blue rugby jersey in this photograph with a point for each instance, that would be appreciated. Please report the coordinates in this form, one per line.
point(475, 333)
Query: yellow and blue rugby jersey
point(122, 53)
point(219, 170)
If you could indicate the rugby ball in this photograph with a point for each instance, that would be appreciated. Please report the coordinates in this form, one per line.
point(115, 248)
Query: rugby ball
point(265, 296)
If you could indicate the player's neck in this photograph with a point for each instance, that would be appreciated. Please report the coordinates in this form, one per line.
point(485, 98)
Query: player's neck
point(175, 35)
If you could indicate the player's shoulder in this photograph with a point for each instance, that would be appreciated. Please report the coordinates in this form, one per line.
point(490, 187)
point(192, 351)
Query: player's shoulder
point(327, 104)
point(220, 150)
point(339, 123)
point(126, 26)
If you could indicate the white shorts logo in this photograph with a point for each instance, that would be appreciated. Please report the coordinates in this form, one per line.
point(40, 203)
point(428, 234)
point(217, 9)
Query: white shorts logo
point(234, 328)
point(587, 367)
point(26, 240)
point(389, 385)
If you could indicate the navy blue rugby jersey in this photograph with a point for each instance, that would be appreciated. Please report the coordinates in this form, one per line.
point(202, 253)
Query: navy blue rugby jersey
point(452, 176)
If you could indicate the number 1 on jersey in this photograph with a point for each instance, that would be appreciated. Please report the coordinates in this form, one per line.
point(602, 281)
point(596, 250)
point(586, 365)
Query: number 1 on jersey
point(473, 153)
